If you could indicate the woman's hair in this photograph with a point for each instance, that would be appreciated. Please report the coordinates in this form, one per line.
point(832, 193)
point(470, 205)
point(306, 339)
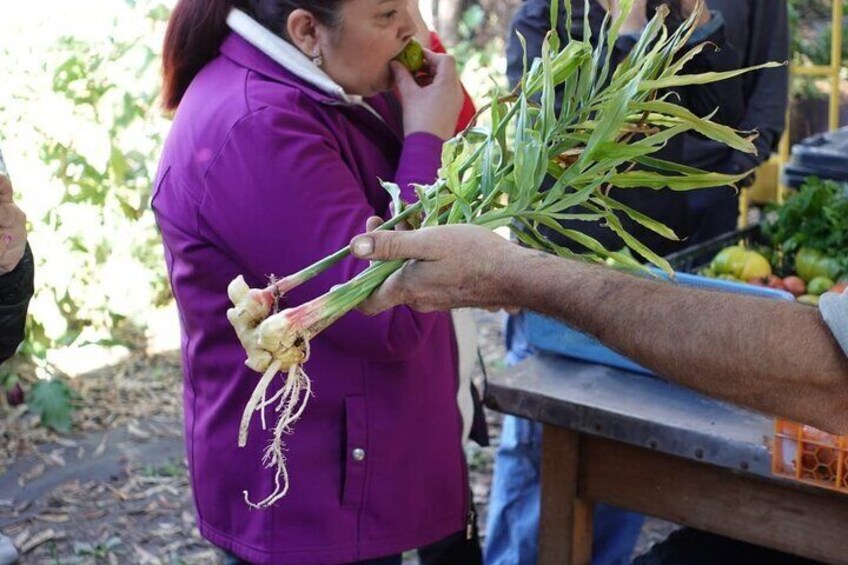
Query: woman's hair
point(198, 27)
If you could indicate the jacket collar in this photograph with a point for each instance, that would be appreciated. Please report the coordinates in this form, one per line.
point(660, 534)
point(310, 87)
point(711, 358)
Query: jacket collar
point(287, 58)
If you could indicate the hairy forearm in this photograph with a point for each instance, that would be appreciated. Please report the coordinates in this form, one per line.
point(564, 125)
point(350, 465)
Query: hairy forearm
point(774, 356)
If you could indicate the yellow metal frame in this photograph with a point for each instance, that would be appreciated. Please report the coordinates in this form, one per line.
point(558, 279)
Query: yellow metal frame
point(833, 72)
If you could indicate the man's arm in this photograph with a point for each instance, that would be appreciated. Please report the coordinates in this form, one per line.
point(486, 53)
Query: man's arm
point(778, 357)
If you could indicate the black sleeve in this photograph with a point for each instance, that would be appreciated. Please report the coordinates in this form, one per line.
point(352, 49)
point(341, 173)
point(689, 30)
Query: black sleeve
point(767, 90)
point(532, 21)
point(718, 55)
point(16, 289)
point(754, 101)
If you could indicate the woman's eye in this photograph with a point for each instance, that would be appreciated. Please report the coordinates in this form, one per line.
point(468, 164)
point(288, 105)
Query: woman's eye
point(390, 15)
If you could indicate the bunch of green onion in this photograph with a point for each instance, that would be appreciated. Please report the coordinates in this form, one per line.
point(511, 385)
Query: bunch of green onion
point(609, 124)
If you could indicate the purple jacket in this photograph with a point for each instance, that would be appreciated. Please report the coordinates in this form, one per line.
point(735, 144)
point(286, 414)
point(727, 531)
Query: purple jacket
point(263, 174)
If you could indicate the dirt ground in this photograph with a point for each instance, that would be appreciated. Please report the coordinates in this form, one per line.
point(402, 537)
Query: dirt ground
point(116, 490)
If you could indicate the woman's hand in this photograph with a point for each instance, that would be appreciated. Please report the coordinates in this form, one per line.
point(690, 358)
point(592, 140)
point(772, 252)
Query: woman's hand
point(433, 108)
point(13, 233)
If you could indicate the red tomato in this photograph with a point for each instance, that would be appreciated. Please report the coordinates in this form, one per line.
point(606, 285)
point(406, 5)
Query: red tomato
point(776, 282)
point(795, 285)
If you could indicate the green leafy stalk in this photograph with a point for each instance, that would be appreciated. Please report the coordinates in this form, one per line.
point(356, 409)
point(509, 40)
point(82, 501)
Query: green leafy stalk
point(610, 125)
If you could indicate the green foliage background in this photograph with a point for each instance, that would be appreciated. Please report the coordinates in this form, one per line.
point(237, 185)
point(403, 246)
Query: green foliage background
point(81, 129)
point(811, 39)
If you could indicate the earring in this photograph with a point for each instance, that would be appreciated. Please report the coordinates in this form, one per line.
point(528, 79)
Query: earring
point(318, 60)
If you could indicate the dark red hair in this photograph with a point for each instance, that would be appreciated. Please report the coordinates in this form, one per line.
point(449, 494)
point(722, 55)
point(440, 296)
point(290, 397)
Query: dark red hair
point(198, 27)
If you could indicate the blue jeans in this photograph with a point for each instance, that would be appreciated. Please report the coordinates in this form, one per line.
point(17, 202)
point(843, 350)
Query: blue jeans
point(512, 528)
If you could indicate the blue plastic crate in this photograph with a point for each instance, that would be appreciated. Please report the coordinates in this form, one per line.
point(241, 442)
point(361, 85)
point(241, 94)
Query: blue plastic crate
point(548, 334)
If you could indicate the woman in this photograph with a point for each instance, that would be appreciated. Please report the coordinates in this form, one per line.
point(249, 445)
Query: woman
point(284, 123)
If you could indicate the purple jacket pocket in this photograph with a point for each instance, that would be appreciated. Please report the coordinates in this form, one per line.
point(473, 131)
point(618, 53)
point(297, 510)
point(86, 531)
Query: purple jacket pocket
point(356, 452)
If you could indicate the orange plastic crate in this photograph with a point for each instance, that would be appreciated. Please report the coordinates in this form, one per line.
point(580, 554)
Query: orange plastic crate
point(811, 456)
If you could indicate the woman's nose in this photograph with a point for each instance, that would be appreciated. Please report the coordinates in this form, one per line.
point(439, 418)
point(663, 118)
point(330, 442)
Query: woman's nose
point(407, 28)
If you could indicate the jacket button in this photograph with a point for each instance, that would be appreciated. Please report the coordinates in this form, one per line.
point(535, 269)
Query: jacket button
point(358, 454)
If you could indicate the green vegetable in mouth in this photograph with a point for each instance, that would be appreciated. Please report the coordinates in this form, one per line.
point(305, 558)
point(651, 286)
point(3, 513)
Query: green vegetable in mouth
point(412, 56)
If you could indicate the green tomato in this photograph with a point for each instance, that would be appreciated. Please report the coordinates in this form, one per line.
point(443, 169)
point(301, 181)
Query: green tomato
point(755, 266)
point(805, 263)
point(811, 263)
point(830, 267)
point(729, 261)
point(819, 285)
point(412, 56)
point(809, 299)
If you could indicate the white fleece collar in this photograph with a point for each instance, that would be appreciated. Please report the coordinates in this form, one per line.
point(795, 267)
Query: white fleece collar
point(290, 58)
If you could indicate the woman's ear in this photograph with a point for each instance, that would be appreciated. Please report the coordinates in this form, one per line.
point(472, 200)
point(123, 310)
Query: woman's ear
point(301, 27)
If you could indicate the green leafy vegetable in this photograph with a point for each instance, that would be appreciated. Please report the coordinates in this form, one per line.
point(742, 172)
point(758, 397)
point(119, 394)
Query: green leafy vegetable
point(816, 217)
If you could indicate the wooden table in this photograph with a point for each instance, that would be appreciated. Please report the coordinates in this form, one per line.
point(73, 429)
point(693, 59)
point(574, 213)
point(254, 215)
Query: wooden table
point(647, 445)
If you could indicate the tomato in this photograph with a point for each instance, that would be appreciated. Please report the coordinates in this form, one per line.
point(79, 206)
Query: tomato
point(754, 266)
point(741, 263)
point(775, 282)
point(809, 299)
point(811, 263)
point(795, 285)
point(819, 285)
point(839, 288)
point(729, 261)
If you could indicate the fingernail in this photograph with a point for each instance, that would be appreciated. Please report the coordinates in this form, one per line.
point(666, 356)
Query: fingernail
point(363, 246)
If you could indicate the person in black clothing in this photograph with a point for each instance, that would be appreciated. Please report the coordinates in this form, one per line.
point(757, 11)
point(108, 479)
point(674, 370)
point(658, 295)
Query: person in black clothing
point(16, 270)
point(752, 32)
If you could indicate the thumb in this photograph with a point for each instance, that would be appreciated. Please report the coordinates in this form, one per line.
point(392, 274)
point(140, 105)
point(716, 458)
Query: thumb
point(388, 246)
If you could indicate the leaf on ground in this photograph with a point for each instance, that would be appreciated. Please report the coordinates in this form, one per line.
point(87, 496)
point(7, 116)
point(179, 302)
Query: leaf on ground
point(101, 446)
point(41, 537)
point(136, 431)
point(145, 556)
point(33, 473)
point(51, 400)
point(55, 457)
point(54, 518)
